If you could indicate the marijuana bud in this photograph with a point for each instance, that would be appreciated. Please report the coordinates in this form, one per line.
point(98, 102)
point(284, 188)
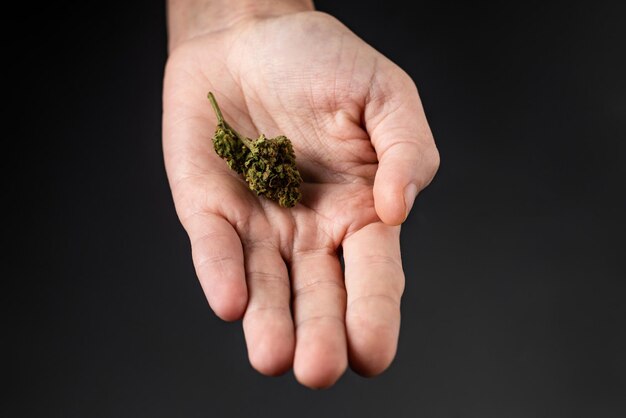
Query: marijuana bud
point(267, 164)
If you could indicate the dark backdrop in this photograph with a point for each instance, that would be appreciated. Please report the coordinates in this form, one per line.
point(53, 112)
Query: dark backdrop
point(514, 305)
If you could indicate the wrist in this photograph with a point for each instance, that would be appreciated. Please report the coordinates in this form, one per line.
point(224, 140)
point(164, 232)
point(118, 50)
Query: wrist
point(187, 19)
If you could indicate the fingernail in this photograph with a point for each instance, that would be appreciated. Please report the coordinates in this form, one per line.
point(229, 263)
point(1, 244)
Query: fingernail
point(410, 193)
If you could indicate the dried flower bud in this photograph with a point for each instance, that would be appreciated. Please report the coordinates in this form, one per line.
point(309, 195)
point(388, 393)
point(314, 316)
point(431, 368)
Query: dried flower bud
point(267, 164)
point(231, 149)
point(271, 170)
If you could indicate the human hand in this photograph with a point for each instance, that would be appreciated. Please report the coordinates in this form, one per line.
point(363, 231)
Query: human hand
point(364, 149)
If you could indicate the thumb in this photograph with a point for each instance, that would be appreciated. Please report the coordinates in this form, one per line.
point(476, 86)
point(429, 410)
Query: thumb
point(407, 156)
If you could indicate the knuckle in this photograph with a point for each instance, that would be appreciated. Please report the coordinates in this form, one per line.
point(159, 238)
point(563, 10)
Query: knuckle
point(435, 160)
point(269, 280)
point(314, 286)
point(214, 262)
point(392, 299)
point(430, 161)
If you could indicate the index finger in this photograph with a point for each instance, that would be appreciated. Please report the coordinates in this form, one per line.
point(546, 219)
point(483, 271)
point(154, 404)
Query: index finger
point(205, 194)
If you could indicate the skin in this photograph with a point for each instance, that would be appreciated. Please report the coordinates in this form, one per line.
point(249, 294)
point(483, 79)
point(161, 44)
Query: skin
point(364, 149)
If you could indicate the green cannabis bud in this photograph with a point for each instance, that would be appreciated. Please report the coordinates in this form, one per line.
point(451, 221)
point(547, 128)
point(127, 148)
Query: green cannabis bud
point(267, 164)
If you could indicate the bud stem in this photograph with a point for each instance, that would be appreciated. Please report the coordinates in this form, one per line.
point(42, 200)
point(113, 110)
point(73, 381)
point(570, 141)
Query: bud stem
point(216, 109)
point(222, 122)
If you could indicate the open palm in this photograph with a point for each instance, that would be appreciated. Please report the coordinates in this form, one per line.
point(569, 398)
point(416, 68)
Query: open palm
point(364, 149)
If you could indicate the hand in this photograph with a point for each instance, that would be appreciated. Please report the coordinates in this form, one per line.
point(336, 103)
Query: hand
point(364, 149)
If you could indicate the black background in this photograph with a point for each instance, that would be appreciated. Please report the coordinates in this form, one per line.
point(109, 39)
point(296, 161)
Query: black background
point(514, 305)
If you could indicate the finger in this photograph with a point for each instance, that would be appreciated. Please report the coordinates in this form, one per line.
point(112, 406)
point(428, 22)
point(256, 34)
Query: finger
point(407, 156)
point(374, 284)
point(218, 259)
point(197, 179)
point(267, 323)
point(319, 309)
